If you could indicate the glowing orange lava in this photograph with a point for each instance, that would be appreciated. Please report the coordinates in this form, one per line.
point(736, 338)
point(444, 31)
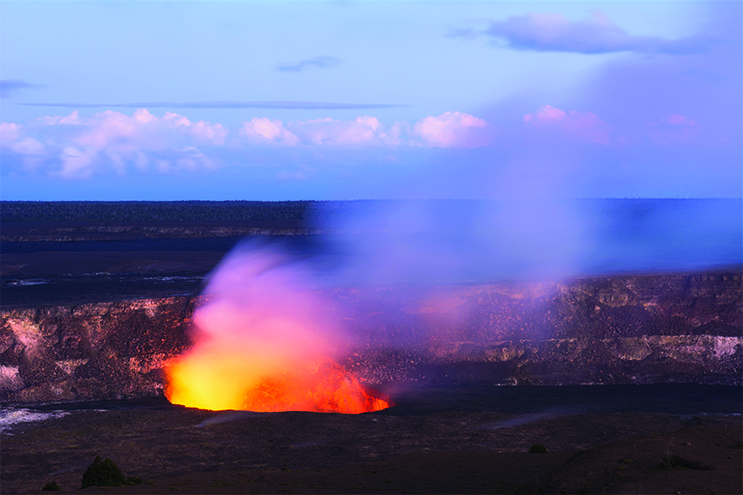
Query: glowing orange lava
point(323, 387)
point(264, 343)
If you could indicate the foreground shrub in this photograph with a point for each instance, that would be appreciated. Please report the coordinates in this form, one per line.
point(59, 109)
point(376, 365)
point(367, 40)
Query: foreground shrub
point(537, 448)
point(52, 486)
point(103, 473)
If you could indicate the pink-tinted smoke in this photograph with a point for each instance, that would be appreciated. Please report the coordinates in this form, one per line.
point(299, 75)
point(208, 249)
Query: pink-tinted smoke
point(264, 342)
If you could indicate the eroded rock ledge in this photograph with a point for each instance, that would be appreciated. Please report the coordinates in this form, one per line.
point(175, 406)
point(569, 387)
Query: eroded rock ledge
point(621, 329)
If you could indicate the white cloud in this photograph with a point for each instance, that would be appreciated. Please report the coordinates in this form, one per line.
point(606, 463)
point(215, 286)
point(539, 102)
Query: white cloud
point(262, 130)
point(451, 130)
point(111, 142)
point(76, 164)
point(74, 147)
point(9, 132)
point(71, 119)
point(582, 126)
point(28, 146)
point(329, 132)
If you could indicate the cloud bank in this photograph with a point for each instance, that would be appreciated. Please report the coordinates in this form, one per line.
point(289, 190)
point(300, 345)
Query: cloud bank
point(548, 151)
point(72, 147)
point(75, 147)
point(596, 35)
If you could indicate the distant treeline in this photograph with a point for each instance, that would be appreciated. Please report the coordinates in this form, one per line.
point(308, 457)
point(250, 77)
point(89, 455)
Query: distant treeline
point(156, 211)
point(147, 212)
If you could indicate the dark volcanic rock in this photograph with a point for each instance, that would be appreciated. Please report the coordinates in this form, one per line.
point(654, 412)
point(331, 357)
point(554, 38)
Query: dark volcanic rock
point(91, 351)
point(622, 329)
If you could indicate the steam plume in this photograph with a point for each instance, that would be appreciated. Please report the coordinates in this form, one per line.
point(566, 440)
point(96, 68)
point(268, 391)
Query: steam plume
point(264, 343)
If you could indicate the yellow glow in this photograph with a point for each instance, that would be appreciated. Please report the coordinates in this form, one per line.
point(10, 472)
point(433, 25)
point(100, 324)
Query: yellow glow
point(263, 344)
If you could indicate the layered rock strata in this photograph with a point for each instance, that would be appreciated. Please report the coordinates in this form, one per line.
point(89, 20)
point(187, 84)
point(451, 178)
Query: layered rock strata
point(621, 329)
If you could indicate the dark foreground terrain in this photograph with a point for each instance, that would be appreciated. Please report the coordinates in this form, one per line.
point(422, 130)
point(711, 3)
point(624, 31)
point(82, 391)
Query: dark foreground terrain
point(412, 448)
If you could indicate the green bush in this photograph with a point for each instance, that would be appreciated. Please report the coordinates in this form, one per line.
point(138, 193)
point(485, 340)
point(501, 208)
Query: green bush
point(537, 448)
point(103, 473)
point(52, 486)
point(106, 473)
point(133, 480)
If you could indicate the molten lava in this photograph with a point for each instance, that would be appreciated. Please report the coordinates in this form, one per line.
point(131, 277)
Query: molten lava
point(325, 387)
point(264, 343)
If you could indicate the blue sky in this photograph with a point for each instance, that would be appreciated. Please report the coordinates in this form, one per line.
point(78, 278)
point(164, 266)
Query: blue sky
point(117, 100)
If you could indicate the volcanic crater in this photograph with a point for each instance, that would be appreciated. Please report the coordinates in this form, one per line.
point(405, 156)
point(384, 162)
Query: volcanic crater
point(607, 372)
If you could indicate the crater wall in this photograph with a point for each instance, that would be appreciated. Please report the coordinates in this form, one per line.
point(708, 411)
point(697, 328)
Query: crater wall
point(603, 330)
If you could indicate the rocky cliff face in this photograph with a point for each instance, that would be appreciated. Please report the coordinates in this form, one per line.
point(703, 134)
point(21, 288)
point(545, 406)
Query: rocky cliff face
point(622, 329)
point(90, 351)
